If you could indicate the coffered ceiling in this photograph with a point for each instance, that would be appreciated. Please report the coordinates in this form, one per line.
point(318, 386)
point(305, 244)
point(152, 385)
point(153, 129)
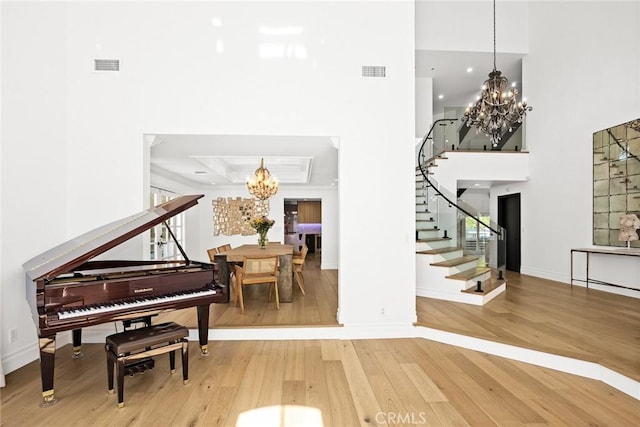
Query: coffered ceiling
point(218, 160)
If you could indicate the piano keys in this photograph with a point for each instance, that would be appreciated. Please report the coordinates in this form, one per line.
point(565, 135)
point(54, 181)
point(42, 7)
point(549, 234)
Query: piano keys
point(87, 312)
point(67, 290)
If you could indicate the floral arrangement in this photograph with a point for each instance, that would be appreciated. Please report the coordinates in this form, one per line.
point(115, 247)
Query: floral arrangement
point(262, 224)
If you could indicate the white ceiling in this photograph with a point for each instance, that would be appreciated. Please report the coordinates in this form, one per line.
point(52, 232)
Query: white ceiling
point(451, 79)
point(218, 160)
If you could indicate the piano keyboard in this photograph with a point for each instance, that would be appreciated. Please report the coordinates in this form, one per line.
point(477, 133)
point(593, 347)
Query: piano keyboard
point(125, 305)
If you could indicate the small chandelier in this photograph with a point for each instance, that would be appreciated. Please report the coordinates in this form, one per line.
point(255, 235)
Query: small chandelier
point(262, 185)
point(497, 108)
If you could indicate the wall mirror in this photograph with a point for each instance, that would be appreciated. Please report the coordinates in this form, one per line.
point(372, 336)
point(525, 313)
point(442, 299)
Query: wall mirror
point(616, 181)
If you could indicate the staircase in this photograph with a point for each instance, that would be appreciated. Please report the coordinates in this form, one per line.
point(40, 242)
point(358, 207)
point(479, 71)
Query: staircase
point(442, 269)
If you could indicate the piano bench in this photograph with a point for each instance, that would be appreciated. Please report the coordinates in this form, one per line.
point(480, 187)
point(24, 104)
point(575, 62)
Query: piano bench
point(131, 346)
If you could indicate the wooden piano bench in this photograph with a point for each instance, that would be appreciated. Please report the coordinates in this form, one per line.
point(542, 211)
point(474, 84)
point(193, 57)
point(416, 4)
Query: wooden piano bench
point(125, 348)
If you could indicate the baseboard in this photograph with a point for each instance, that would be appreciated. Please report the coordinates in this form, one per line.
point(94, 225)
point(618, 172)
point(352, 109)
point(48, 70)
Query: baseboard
point(543, 274)
point(610, 289)
point(357, 331)
point(328, 266)
point(27, 354)
point(567, 280)
point(547, 360)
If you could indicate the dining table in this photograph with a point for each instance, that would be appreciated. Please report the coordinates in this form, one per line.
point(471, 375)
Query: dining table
point(227, 259)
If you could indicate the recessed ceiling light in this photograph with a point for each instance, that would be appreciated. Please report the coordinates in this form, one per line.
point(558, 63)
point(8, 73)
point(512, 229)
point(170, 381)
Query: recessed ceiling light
point(469, 70)
point(440, 96)
point(476, 185)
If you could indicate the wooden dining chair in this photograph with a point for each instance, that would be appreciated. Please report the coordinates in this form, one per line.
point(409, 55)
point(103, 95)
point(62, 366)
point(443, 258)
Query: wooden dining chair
point(256, 270)
point(302, 238)
point(298, 265)
point(224, 248)
point(212, 252)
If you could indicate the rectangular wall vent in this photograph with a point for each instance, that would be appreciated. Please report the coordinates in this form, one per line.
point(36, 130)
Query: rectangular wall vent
point(374, 71)
point(106, 64)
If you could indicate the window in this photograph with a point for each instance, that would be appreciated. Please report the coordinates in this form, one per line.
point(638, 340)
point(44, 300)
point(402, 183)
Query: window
point(161, 245)
point(476, 235)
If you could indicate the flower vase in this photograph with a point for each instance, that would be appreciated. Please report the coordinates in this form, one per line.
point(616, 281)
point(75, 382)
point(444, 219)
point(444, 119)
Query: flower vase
point(262, 240)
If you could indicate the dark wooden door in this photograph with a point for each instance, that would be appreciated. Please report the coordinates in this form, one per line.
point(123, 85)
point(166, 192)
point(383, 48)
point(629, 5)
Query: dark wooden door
point(509, 218)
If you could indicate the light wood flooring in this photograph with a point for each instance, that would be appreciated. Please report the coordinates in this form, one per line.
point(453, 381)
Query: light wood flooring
point(317, 308)
point(396, 382)
point(393, 382)
point(552, 317)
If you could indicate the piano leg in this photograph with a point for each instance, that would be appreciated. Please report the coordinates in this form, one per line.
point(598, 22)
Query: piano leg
point(77, 344)
point(203, 328)
point(47, 364)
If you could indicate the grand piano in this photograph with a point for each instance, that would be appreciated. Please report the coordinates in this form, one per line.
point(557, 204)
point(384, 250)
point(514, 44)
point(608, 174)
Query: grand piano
point(67, 290)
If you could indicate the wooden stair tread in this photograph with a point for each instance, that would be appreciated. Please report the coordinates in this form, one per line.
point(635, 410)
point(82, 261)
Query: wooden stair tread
point(469, 274)
point(455, 261)
point(433, 239)
point(440, 250)
point(487, 286)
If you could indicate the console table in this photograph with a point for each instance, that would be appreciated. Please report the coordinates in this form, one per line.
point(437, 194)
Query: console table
point(589, 251)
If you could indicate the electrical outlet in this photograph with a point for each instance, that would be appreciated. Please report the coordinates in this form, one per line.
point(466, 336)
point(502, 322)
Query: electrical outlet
point(13, 335)
point(382, 311)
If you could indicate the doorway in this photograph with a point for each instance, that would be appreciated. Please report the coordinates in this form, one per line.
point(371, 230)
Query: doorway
point(509, 219)
point(303, 223)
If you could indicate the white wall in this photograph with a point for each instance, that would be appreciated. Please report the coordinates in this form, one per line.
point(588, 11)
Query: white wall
point(468, 26)
point(477, 198)
point(87, 127)
point(584, 81)
point(34, 158)
point(2, 382)
point(424, 106)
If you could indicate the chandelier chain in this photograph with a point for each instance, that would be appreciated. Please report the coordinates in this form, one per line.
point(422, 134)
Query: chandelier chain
point(497, 110)
point(494, 36)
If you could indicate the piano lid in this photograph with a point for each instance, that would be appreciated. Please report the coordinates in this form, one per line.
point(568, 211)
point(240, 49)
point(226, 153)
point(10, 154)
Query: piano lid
point(65, 257)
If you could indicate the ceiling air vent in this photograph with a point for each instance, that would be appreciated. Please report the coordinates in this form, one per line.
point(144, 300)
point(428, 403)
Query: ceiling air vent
point(106, 64)
point(374, 71)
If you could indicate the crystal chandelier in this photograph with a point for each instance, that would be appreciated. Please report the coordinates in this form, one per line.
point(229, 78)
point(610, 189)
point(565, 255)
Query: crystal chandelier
point(497, 108)
point(262, 185)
